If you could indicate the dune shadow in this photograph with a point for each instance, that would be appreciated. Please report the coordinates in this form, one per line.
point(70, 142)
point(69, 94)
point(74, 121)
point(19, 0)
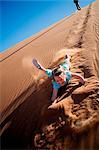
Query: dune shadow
point(25, 119)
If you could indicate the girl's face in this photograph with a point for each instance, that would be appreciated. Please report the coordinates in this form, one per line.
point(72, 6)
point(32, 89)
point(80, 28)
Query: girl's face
point(60, 79)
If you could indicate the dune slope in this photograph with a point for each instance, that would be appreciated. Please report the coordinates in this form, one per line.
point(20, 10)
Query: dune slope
point(28, 120)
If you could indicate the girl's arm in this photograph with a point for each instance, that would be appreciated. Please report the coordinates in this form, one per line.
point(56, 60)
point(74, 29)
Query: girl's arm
point(78, 76)
point(54, 95)
point(39, 66)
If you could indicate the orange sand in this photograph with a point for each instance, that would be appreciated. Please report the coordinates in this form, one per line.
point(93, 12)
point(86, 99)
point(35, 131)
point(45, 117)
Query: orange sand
point(26, 110)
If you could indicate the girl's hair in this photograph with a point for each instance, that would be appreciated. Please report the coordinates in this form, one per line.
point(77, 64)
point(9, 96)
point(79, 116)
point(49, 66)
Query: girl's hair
point(56, 72)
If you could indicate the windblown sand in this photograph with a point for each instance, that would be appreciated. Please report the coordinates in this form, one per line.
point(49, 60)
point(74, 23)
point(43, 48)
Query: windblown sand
point(27, 117)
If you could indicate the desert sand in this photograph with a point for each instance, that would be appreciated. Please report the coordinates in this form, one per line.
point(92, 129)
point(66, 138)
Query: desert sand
point(28, 120)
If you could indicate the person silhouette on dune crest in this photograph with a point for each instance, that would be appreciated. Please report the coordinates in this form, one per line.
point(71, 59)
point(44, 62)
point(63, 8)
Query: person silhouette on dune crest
point(60, 75)
point(77, 4)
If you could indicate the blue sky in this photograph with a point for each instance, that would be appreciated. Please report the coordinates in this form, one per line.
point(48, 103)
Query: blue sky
point(22, 18)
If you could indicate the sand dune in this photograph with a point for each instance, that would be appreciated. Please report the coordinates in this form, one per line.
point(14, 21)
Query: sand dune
point(28, 119)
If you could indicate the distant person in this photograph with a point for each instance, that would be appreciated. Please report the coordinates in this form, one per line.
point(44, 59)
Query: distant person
point(77, 4)
point(60, 75)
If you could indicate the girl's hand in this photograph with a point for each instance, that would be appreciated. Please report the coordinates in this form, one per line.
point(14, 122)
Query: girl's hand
point(37, 64)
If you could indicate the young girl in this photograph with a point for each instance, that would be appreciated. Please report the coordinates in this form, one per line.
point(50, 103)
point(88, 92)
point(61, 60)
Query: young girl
point(60, 76)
